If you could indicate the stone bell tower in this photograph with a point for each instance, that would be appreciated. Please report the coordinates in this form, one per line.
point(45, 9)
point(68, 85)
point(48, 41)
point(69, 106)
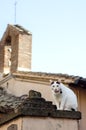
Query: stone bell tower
point(15, 50)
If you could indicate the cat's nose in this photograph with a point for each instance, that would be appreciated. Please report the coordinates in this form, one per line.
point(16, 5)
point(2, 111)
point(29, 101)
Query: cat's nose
point(56, 90)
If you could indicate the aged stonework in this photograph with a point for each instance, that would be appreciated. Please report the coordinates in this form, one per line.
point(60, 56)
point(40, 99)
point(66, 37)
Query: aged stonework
point(15, 49)
point(34, 106)
point(9, 102)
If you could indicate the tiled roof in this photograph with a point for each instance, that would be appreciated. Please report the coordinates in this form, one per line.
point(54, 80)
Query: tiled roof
point(43, 76)
point(76, 81)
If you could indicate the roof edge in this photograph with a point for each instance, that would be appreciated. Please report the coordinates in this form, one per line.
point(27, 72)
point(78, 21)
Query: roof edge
point(45, 77)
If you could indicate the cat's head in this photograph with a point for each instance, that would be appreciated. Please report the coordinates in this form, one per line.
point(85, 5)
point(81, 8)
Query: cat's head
point(56, 87)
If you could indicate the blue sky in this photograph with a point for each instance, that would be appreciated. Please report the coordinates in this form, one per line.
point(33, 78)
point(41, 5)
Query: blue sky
point(59, 32)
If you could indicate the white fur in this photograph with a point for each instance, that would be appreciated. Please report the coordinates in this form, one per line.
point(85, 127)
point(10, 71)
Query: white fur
point(65, 98)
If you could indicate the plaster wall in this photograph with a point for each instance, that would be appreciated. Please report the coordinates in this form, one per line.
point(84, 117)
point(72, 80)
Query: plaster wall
point(49, 124)
point(18, 88)
point(36, 123)
point(18, 122)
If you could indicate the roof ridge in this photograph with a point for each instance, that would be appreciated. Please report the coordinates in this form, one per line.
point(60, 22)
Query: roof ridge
point(22, 28)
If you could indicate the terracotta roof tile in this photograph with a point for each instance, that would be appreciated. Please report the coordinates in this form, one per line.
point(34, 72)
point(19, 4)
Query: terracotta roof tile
point(43, 76)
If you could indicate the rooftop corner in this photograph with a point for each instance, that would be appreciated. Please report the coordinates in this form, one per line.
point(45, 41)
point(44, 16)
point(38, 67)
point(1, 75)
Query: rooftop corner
point(36, 106)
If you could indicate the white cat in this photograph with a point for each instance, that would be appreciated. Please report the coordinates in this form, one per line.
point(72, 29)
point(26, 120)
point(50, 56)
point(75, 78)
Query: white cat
point(65, 98)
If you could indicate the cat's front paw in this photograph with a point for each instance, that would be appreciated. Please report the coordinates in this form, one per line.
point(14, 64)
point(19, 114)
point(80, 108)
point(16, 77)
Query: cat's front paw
point(61, 108)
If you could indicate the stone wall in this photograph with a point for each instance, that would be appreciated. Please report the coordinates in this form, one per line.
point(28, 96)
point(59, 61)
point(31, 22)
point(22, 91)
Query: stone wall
point(21, 49)
point(36, 113)
point(1, 57)
point(24, 52)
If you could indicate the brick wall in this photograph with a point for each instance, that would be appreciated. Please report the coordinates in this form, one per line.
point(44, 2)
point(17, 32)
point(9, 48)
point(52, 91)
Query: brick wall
point(21, 50)
point(14, 54)
point(24, 52)
point(1, 57)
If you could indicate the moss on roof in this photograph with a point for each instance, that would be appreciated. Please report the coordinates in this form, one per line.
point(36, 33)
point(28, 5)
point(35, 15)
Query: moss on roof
point(9, 102)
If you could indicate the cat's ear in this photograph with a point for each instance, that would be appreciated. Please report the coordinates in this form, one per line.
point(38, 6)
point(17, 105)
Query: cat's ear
point(57, 82)
point(51, 81)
